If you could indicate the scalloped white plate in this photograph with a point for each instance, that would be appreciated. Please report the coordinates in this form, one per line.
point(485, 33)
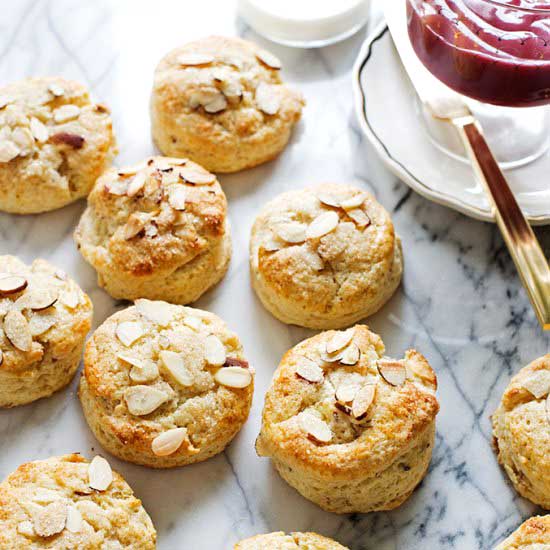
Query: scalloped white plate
point(385, 104)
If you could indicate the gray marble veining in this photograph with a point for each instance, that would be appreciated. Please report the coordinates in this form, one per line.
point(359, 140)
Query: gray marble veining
point(461, 303)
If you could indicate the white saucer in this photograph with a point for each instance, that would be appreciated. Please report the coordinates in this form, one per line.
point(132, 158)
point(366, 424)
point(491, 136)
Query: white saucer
point(385, 104)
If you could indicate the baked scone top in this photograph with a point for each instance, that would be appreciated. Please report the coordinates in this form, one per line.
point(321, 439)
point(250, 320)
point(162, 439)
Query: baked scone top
point(328, 248)
point(153, 218)
point(292, 541)
point(41, 309)
point(157, 367)
point(337, 406)
point(533, 534)
point(66, 503)
point(228, 84)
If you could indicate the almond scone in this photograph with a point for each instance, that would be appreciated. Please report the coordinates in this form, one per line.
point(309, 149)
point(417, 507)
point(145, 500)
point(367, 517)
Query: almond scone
point(292, 541)
point(165, 385)
point(44, 319)
point(54, 144)
point(533, 534)
point(348, 428)
point(222, 102)
point(157, 230)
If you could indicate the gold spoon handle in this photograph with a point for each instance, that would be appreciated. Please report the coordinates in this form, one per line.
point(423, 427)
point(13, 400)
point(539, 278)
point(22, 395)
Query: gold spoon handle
point(520, 239)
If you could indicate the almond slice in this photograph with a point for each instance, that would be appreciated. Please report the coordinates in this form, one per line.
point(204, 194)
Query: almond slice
point(393, 372)
point(37, 299)
point(272, 244)
point(128, 332)
point(5, 100)
point(214, 350)
point(322, 225)
point(291, 232)
point(268, 59)
point(233, 377)
point(340, 340)
point(8, 151)
point(538, 383)
point(40, 324)
point(350, 355)
point(66, 112)
point(135, 225)
point(17, 330)
point(25, 528)
point(161, 313)
point(353, 202)
point(216, 104)
point(175, 365)
point(176, 197)
point(117, 187)
point(136, 185)
point(56, 90)
point(316, 429)
point(51, 519)
point(142, 400)
point(346, 392)
point(130, 359)
point(360, 219)
point(11, 284)
point(39, 131)
point(310, 371)
point(74, 519)
point(192, 322)
point(196, 176)
point(314, 260)
point(363, 401)
point(169, 442)
point(100, 475)
point(71, 298)
point(146, 373)
point(329, 357)
point(193, 59)
point(267, 98)
point(328, 199)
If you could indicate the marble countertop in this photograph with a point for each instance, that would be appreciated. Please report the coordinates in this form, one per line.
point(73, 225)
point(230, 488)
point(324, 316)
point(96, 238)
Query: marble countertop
point(461, 303)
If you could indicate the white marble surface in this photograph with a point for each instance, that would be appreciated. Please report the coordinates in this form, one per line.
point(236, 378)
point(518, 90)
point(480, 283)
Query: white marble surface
point(461, 303)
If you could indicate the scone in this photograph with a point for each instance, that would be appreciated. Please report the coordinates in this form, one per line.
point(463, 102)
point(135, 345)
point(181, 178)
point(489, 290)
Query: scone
point(44, 319)
point(68, 503)
point(221, 101)
point(533, 534)
point(324, 257)
point(348, 428)
point(165, 385)
point(521, 425)
point(294, 541)
point(54, 144)
point(157, 230)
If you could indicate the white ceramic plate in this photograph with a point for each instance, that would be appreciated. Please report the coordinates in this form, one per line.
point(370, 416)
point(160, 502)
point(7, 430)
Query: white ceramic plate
point(386, 107)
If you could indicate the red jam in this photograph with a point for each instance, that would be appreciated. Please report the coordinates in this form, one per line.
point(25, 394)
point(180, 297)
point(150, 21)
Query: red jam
point(494, 52)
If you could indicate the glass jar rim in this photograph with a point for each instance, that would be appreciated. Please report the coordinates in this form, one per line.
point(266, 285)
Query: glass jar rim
point(502, 4)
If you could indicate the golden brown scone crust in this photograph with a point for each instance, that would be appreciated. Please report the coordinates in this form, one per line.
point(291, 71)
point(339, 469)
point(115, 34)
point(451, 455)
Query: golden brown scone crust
point(521, 427)
point(110, 519)
point(210, 412)
point(148, 246)
point(293, 541)
point(365, 466)
point(327, 282)
point(533, 534)
point(58, 332)
point(60, 150)
point(240, 134)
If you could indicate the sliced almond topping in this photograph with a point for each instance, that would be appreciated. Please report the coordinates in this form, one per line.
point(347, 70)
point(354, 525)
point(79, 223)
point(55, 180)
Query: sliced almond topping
point(145, 373)
point(169, 441)
point(175, 365)
point(25, 528)
point(196, 176)
point(360, 219)
point(100, 475)
point(130, 359)
point(17, 330)
point(328, 199)
point(329, 357)
point(5, 100)
point(170, 176)
point(131, 170)
point(194, 59)
point(51, 519)
point(8, 150)
point(214, 350)
point(74, 519)
point(314, 260)
point(350, 355)
point(56, 90)
point(363, 401)
point(143, 400)
point(192, 322)
point(136, 185)
point(267, 58)
point(37, 299)
point(353, 202)
point(267, 98)
point(1, 357)
point(272, 244)
point(66, 112)
point(71, 298)
point(117, 187)
point(129, 331)
point(233, 377)
point(151, 230)
point(346, 392)
point(11, 284)
point(39, 131)
point(322, 224)
point(292, 232)
point(340, 340)
point(39, 324)
point(547, 405)
point(393, 372)
point(161, 313)
point(538, 383)
point(310, 371)
point(176, 197)
point(215, 105)
point(72, 140)
point(316, 429)
point(135, 225)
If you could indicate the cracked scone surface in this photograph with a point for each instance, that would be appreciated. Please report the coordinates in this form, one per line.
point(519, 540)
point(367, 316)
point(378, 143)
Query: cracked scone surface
point(292, 541)
point(533, 534)
point(222, 102)
point(156, 230)
point(54, 144)
point(44, 319)
point(324, 257)
point(153, 390)
point(50, 504)
point(521, 428)
point(353, 437)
